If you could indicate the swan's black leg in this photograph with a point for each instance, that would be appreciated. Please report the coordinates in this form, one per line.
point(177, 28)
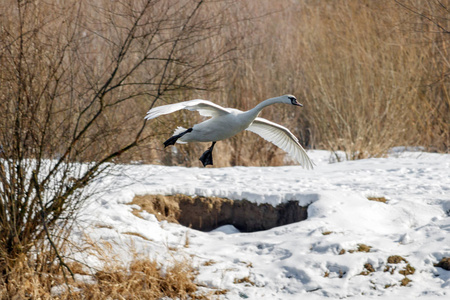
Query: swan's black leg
point(173, 139)
point(206, 157)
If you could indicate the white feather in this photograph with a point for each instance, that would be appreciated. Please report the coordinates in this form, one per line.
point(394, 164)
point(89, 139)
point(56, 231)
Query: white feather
point(204, 107)
point(177, 131)
point(281, 137)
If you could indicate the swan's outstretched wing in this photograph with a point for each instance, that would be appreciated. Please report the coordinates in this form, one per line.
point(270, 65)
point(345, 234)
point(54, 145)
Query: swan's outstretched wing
point(204, 107)
point(283, 138)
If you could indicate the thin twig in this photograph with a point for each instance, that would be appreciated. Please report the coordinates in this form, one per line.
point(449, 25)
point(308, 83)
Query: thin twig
point(47, 233)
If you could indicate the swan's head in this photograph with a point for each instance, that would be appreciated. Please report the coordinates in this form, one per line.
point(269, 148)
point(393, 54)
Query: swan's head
point(290, 99)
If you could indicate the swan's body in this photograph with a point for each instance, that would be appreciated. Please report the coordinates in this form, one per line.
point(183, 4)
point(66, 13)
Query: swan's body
point(227, 122)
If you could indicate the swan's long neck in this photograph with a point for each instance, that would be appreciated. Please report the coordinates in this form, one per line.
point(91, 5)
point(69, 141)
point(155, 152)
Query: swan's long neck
point(257, 109)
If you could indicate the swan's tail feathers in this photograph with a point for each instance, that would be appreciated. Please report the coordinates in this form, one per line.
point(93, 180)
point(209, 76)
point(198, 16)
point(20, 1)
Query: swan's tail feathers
point(179, 130)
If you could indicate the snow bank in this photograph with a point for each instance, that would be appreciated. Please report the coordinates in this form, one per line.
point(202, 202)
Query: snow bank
point(317, 258)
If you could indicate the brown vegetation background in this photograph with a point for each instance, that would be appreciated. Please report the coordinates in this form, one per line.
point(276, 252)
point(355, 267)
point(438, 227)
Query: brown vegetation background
point(371, 75)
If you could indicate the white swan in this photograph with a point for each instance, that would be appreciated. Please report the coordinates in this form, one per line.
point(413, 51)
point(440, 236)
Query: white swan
point(227, 122)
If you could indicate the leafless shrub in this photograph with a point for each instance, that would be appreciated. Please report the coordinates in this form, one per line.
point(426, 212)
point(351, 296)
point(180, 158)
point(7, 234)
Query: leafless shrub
point(75, 80)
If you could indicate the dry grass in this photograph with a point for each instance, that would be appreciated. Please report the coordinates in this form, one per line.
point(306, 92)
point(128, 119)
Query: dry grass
point(245, 280)
point(396, 259)
point(405, 281)
point(142, 278)
point(137, 234)
point(361, 248)
point(377, 199)
point(408, 270)
point(444, 263)
point(209, 263)
point(368, 268)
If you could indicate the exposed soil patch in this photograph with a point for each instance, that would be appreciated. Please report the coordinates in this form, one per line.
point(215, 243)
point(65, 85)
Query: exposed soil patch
point(444, 263)
point(208, 213)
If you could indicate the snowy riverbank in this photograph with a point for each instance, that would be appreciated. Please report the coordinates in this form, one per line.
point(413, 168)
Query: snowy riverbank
point(314, 259)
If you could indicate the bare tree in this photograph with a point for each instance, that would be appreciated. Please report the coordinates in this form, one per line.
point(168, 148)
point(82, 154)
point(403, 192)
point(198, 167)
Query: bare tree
point(67, 69)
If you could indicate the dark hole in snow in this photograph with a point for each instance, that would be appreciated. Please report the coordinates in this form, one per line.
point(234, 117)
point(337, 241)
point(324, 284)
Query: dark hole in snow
point(208, 213)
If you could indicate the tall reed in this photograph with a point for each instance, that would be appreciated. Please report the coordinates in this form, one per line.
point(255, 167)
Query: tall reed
point(368, 78)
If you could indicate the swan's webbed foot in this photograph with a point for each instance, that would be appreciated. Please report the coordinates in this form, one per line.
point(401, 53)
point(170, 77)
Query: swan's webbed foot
point(206, 157)
point(173, 139)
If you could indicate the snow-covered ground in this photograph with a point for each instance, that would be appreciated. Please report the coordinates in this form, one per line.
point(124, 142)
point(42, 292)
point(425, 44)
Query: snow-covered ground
point(297, 261)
